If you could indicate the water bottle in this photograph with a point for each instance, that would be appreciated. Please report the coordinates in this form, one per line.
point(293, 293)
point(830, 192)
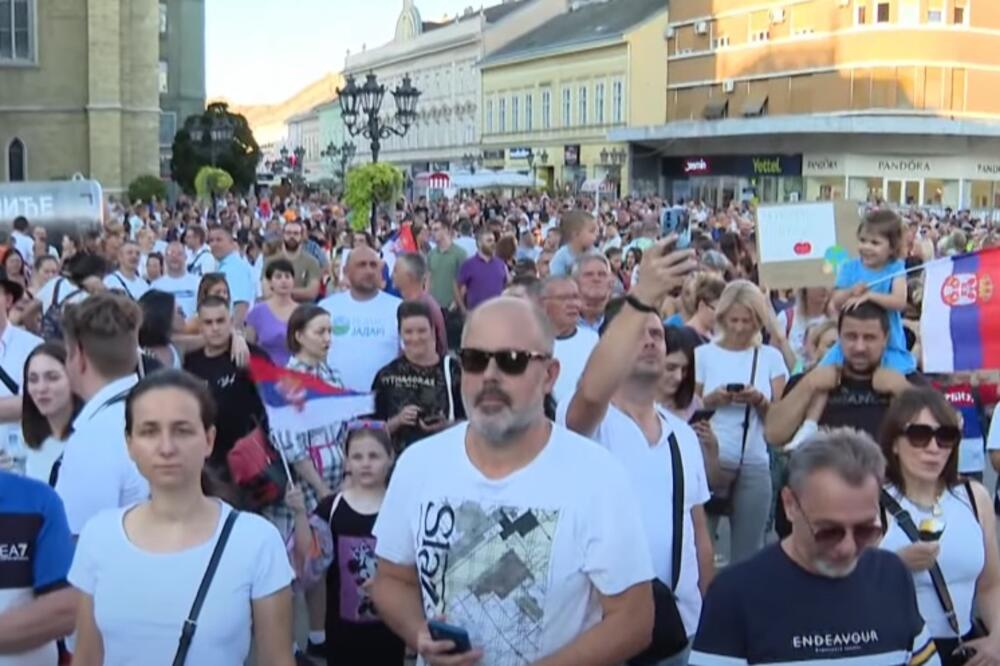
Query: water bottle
point(16, 450)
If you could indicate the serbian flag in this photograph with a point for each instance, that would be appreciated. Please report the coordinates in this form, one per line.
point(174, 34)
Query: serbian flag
point(960, 321)
point(299, 402)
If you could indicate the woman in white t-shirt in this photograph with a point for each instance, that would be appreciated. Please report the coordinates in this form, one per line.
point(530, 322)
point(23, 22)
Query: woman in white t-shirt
point(47, 410)
point(738, 377)
point(138, 568)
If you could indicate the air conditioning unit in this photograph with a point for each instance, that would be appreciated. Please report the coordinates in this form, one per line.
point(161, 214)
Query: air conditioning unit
point(777, 15)
point(669, 32)
point(728, 86)
point(701, 27)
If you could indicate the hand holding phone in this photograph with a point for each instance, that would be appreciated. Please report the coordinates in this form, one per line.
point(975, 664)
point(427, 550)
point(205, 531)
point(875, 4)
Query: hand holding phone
point(701, 415)
point(442, 631)
point(735, 387)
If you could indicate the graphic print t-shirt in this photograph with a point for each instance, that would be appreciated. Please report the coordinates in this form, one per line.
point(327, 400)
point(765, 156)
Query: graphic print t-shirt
point(354, 632)
point(365, 336)
point(402, 383)
point(769, 610)
point(514, 561)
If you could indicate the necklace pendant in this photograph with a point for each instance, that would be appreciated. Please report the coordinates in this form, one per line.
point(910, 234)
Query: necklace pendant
point(936, 510)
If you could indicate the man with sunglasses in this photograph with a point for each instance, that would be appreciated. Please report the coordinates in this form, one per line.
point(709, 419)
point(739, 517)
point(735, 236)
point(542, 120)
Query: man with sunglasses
point(510, 528)
point(824, 593)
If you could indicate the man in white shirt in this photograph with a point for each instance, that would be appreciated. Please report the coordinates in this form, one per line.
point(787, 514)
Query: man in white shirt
point(127, 278)
point(365, 331)
point(482, 524)
point(16, 344)
point(615, 405)
point(22, 241)
point(102, 353)
point(561, 300)
point(238, 272)
point(178, 281)
point(200, 259)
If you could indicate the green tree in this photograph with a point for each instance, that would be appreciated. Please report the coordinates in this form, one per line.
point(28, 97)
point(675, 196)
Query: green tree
point(211, 181)
point(144, 188)
point(239, 156)
point(370, 184)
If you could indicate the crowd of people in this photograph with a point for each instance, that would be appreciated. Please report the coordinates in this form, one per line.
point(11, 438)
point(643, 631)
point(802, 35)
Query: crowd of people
point(570, 399)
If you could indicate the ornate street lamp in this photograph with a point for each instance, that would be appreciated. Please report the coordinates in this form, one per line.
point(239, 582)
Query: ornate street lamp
point(345, 151)
point(471, 161)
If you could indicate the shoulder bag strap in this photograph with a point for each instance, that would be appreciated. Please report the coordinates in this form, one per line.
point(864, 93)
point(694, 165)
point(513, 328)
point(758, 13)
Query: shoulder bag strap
point(9, 382)
point(972, 500)
point(447, 384)
point(191, 623)
point(55, 292)
point(746, 412)
point(333, 508)
point(905, 522)
point(677, 469)
point(121, 281)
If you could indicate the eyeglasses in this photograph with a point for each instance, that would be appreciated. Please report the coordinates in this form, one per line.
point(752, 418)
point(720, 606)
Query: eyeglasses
point(510, 361)
point(827, 538)
point(366, 424)
point(919, 435)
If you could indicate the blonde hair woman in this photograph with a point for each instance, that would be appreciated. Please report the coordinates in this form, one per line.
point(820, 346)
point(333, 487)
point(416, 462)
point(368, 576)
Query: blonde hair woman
point(738, 376)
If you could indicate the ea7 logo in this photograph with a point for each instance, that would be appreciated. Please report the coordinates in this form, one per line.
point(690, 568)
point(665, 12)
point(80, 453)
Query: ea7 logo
point(13, 552)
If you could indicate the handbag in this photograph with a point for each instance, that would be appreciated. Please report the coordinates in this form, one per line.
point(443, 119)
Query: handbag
point(669, 634)
point(905, 522)
point(721, 501)
point(256, 467)
point(191, 623)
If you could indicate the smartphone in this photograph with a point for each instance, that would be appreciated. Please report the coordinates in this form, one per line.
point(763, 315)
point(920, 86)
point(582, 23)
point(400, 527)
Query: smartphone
point(735, 387)
point(433, 419)
point(701, 415)
point(441, 631)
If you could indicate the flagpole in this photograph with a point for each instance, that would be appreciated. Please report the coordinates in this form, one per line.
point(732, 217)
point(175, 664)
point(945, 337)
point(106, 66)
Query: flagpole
point(920, 267)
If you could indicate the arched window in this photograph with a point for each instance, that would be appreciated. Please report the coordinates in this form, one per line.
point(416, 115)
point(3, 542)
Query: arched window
point(16, 167)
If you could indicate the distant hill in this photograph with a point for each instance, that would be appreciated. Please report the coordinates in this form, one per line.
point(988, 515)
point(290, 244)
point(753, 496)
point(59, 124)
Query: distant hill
point(268, 120)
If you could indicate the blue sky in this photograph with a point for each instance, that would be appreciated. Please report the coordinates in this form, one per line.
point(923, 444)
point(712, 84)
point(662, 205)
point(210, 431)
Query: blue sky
point(263, 51)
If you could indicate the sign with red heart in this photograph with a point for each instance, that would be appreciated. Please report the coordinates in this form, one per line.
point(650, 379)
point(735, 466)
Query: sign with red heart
point(802, 248)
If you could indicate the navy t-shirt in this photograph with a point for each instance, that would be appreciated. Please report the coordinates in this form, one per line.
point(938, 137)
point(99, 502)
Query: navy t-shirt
point(769, 610)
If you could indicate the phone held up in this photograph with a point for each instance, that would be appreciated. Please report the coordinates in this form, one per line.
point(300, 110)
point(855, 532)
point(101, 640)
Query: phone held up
point(735, 387)
point(442, 631)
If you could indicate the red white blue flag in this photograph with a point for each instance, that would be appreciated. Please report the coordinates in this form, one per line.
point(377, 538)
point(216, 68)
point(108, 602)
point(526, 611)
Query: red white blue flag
point(298, 402)
point(960, 321)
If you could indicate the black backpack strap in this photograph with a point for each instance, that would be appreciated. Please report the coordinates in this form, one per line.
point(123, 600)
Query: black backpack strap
point(9, 382)
point(677, 469)
point(55, 292)
point(191, 623)
point(905, 522)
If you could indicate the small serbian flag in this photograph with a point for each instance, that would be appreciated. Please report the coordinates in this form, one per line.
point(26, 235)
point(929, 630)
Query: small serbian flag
point(298, 402)
point(960, 322)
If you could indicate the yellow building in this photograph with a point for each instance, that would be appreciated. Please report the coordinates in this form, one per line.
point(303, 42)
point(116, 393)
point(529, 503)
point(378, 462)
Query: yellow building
point(551, 96)
point(79, 90)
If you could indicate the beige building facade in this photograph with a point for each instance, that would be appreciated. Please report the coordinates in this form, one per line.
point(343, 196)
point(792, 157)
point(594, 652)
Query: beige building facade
point(783, 100)
point(79, 91)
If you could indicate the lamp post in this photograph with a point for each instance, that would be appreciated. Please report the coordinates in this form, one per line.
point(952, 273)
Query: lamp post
point(345, 151)
point(212, 134)
point(471, 161)
point(360, 107)
point(531, 167)
point(614, 160)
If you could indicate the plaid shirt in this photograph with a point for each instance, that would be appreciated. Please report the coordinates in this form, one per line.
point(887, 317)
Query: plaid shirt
point(323, 446)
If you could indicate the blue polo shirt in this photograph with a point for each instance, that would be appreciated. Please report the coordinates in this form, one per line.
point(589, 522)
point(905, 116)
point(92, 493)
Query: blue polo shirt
point(36, 549)
point(239, 278)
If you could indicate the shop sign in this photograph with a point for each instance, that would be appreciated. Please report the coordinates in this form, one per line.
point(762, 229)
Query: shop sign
point(520, 153)
point(988, 169)
point(440, 166)
point(766, 166)
point(909, 165)
point(493, 155)
point(733, 165)
point(698, 165)
point(571, 155)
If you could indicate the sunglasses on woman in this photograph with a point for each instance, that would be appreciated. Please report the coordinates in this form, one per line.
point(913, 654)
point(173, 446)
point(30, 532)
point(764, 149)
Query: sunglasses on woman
point(511, 362)
point(919, 435)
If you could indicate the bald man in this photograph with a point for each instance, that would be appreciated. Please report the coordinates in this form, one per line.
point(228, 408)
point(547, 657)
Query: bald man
point(365, 333)
point(513, 528)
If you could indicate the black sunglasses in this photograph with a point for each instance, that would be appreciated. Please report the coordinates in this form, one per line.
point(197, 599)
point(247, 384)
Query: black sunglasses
point(828, 538)
point(510, 361)
point(919, 435)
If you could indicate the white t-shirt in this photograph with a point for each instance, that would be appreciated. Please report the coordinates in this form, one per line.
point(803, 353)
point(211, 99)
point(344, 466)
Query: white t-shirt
point(201, 261)
point(650, 473)
point(572, 353)
point(16, 344)
point(38, 462)
point(141, 599)
point(68, 293)
point(134, 287)
point(514, 561)
point(365, 336)
point(797, 333)
point(715, 367)
point(97, 472)
point(184, 289)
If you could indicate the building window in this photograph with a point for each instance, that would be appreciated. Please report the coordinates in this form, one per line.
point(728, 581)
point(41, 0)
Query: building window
point(503, 115)
point(959, 13)
point(168, 127)
point(529, 112)
point(16, 161)
point(720, 42)
point(860, 15)
point(489, 116)
point(17, 30)
point(163, 18)
point(618, 102)
point(882, 12)
point(599, 103)
point(935, 14)
point(583, 119)
point(164, 77)
point(760, 36)
point(567, 107)
point(515, 113)
point(546, 109)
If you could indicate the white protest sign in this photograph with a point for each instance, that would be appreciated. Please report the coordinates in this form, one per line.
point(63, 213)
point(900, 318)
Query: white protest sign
point(799, 232)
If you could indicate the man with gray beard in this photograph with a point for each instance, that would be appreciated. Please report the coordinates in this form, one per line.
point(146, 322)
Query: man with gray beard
point(515, 531)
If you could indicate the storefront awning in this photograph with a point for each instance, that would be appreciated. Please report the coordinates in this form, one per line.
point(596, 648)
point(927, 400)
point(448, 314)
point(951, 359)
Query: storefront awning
point(482, 180)
point(716, 109)
point(755, 106)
